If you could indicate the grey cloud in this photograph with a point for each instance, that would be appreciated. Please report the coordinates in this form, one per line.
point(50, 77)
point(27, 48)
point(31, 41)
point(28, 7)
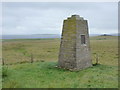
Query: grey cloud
point(48, 17)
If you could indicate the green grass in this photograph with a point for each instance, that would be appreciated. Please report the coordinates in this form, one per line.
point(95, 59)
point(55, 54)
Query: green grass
point(46, 75)
point(43, 73)
point(43, 49)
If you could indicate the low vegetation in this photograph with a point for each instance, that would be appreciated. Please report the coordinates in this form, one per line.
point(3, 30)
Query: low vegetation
point(42, 72)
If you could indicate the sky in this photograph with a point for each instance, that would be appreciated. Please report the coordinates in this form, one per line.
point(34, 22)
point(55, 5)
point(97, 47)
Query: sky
point(47, 17)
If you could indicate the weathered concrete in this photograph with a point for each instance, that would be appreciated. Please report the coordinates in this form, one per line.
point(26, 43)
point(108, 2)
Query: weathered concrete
point(75, 46)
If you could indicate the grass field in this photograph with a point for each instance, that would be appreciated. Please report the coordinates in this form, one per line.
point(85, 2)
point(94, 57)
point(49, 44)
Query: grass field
point(18, 72)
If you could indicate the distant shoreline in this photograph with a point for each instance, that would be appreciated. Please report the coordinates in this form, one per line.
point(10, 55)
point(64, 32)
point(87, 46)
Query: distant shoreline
point(35, 36)
point(43, 36)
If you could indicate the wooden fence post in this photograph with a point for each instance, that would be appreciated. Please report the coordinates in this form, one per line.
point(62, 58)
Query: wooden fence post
point(32, 58)
point(3, 63)
point(97, 59)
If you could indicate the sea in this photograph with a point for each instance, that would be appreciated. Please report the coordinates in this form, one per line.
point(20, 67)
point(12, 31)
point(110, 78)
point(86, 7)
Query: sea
point(35, 36)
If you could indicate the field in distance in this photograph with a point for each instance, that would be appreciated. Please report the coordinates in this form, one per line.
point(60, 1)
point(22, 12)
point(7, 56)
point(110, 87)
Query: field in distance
point(42, 73)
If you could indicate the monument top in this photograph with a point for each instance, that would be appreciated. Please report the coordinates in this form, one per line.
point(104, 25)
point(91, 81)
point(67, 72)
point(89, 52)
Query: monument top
point(77, 17)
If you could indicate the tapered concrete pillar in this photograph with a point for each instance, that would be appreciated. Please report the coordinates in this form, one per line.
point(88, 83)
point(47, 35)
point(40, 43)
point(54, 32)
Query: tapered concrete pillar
point(75, 46)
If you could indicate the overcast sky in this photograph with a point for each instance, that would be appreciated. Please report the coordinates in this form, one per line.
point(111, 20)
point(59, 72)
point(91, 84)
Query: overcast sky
point(47, 18)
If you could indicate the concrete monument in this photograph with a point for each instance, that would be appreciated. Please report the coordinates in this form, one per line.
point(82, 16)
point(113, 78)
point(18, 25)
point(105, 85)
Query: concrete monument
point(75, 46)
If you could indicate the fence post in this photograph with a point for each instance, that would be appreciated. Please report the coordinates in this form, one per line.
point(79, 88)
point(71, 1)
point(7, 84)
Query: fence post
point(31, 58)
point(97, 59)
point(3, 63)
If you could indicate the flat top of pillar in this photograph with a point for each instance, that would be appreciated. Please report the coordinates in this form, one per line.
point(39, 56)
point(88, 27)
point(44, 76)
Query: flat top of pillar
point(77, 17)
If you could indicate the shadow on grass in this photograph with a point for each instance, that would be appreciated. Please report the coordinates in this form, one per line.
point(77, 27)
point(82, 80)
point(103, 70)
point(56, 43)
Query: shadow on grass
point(95, 64)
